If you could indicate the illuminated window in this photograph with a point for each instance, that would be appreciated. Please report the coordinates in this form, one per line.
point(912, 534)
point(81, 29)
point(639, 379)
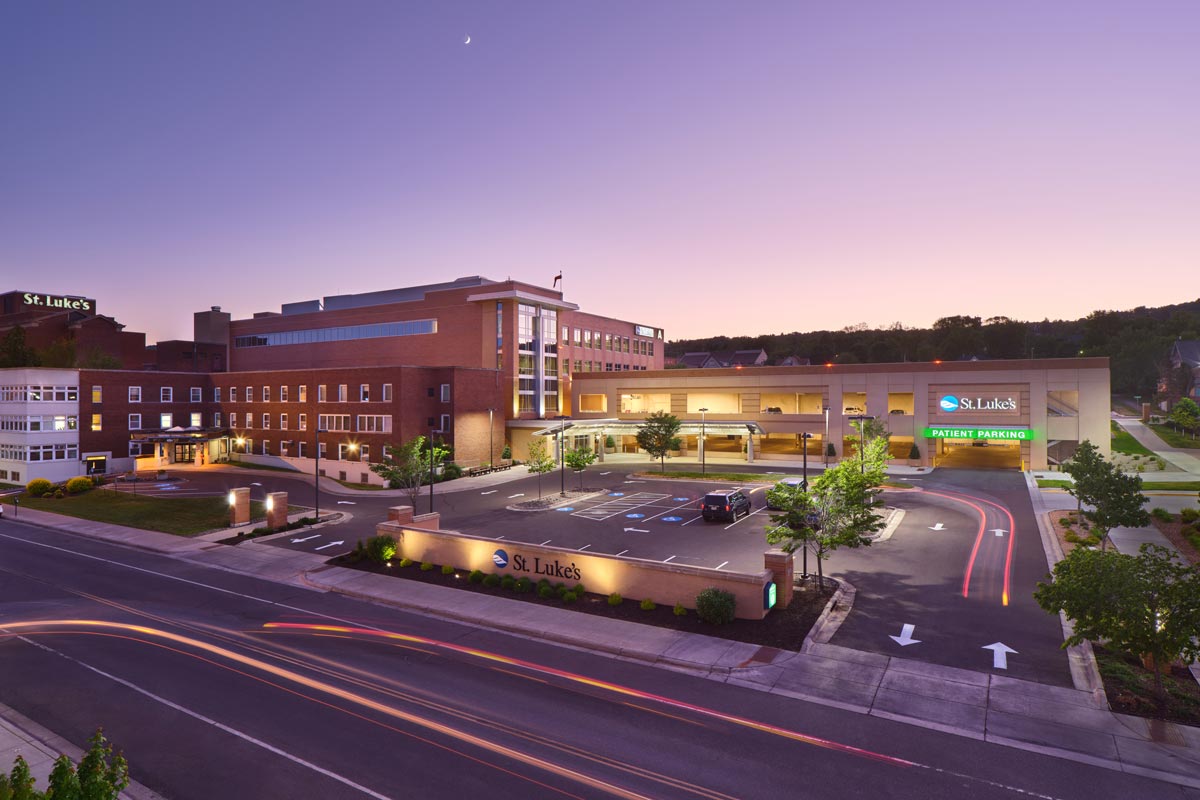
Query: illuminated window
point(196, 421)
point(364, 393)
point(97, 394)
point(302, 394)
point(96, 424)
point(165, 420)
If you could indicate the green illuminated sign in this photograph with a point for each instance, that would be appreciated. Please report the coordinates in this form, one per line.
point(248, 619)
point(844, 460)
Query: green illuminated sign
point(769, 592)
point(1010, 434)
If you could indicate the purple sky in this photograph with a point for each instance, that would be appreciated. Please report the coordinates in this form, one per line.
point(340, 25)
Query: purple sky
point(731, 168)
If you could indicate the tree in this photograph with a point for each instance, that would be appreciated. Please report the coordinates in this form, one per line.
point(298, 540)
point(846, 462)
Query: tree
point(839, 510)
point(1147, 605)
point(1185, 414)
point(658, 436)
point(95, 358)
point(407, 466)
point(540, 461)
point(59, 353)
point(1084, 468)
point(580, 459)
point(102, 775)
point(1119, 502)
point(14, 352)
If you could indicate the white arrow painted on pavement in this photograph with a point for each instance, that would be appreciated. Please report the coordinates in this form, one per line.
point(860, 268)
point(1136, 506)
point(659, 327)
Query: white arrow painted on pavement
point(346, 503)
point(511, 496)
point(331, 544)
point(634, 481)
point(905, 637)
point(493, 491)
point(306, 538)
point(606, 473)
point(635, 530)
point(999, 531)
point(256, 484)
point(938, 527)
point(1000, 653)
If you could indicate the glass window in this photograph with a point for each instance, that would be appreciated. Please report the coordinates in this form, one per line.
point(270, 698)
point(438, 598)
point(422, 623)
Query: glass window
point(302, 393)
point(321, 393)
point(195, 395)
point(249, 420)
point(266, 394)
point(364, 392)
point(342, 394)
point(135, 448)
point(387, 393)
point(96, 423)
point(266, 422)
point(165, 420)
point(593, 403)
point(97, 394)
point(232, 394)
point(216, 419)
point(164, 394)
point(283, 394)
point(249, 395)
point(216, 394)
point(135, 422)
point(232, 419)
point(196, 421)
point(302, 421)
point(445, 393)
point(135, 394)
point(283, 422)
point(577, 339)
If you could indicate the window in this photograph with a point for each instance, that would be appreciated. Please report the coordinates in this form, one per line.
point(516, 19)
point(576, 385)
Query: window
point(444, 423)
point(283, 448)
point(266, 448)
point(302, 394)
point(96, 423)
point(387, 393)
point(302, 422)
point(625, 344)
point(249, 420)
point(283, 394)
point(97, 394)
point(608, 341)
point(593, 403)
point(266, 422)
point(216, 419)
point(321, 450)
point(196, 421)
point(249, 395)
point(165, 394)
point(364, 452)
point(578, 338)
point(283, 422)
point(364, 393)
point(375, 423)
point(216, 394)
point(587, 338)
point(195, 395)
point(321, 393)
point(135, 422)
point(334, 423)
point(135, 394)
point(266, 394)
point(342, 394)
point(232, 419)
point(165, 420)
point(135, 448)
point(445, 393)
point(339, 334)
point(232, 394)
point(566, 337)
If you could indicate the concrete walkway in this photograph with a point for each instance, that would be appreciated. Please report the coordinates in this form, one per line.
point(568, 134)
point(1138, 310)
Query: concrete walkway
point(1068, 723)
point(1186, 460)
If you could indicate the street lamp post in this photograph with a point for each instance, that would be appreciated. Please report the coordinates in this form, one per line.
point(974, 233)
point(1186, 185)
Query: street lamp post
point(562, 453)
point(430, 470)
point(491, 437)
point(702, 453)
point(862, 439)
point(804, 437)
point(825, 441)
point(317, 477)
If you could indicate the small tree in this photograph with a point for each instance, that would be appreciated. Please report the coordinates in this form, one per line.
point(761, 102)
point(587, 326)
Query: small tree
point(540, 461)
point(407, 466)
point(1084, 467)
point(1185, 415)
point(658, 435)
point(1147, 605)
point(1118, 502)
point(579, 459)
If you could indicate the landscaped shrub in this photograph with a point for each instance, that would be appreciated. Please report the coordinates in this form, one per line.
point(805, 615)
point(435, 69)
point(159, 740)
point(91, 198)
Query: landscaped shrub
point(506, 453)
point(1067, 522)
point(546, 591)
point(1160, 513)
point(579, 590)
point(38, 487)
point(447, 569)
point(476, 576)
point(381, 549)
point(715, 606)
point(615, 599)
point(79, 484)
point(569, 597)
point(523, 585)
point(679, 610)
point(648, 605)
point(58, 494)
point(451, 472)
point(543, 582)
point(507, 582)
point(426, 566)
point(492, 580)
point(914, 452)
point(406, 562)
point(358, 553)
point(1189, 514)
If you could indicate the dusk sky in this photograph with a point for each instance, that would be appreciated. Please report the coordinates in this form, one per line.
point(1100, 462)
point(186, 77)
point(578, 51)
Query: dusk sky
point(710, 168)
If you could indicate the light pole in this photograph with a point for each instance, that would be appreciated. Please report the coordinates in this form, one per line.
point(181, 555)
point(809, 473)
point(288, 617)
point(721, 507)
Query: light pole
point(491, 449)
point(562, 453)
point(862, 439)
point(430, 470)
point(804, 437)
point(702, 454)
point(825, 441)
point(317, 477)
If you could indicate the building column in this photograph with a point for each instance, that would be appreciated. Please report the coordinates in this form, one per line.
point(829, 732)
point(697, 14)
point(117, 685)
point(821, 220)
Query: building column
point(600, 442)
point(749, 447)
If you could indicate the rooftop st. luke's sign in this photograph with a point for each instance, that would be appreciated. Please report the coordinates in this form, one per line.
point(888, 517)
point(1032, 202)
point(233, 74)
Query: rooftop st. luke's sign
point(58, 301)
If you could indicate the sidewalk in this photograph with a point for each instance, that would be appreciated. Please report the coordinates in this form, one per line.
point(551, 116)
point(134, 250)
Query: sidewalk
point(1068, 723)
point(1186, 460)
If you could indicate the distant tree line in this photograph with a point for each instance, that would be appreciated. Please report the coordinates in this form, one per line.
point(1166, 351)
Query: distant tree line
point(1136, 342)
point(16, 352)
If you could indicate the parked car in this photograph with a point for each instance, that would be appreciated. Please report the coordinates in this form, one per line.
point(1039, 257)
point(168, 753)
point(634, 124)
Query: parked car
point(789, 482)
point(727, 505)
point(979, 443)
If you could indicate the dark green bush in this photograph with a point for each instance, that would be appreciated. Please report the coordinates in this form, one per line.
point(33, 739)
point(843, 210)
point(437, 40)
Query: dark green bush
point(451, 472)
point(914, 452)
point(615, 599)
point(38, 487)
point(569, 597)
point(476, 576)
point(58, 494)
point(506, 453)
point(492, 580)
point(406, 562)
point(546, 591)
point(1190, 514)
point(1161, 514)
point(579, 590)
point(507, 582)
point(523, 585)
point(648, 605)
point(715, 606)
point(381, 549)
point(426, 566)
point(679, 610)
point(447, 569)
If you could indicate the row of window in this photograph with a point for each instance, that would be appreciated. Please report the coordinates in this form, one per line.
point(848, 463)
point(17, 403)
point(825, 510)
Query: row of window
point(365, 423)
point(38, 394)
point(39, 452)
point(58, 422)
point(338, 334)
point(598, 366)
point(607, 341)
point(166, 394)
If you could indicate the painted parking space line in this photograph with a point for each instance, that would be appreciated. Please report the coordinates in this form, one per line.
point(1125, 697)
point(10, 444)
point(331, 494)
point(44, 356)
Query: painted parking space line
point(665, 560)
point(548, 541)
point(690, 521)
point(723, 563)
point(670, 511)
point(623, 505)
point(585, 547)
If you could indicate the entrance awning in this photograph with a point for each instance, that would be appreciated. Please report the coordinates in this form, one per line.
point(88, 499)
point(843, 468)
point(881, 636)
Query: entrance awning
point(629, 427)
point(181, 435)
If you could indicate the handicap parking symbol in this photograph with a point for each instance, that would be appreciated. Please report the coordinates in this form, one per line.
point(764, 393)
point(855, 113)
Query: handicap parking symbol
point(566, 508)
point(681, 499)
point(671, 519)
point(616, 494)
point(634, 516)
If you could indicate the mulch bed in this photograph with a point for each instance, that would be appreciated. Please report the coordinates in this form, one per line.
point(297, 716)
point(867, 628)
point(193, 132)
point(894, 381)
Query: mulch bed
point(1130, 689)
point(1174, 533)
point(783, 628)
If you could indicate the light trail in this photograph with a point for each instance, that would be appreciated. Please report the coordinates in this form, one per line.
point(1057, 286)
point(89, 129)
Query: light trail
point(1012, 535)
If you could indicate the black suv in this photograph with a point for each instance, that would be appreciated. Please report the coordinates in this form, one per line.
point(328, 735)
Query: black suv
point(725, 505)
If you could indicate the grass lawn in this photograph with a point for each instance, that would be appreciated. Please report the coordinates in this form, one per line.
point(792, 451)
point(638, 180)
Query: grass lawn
point(718, 477)
point(1175, 439)
point(1147, 486)
point(246, 465)
point(1123, 442)
point(182, 516)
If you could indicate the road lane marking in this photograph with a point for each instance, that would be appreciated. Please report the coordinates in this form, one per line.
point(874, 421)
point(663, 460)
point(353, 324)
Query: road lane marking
point(623, 552)
point(665, 560)
point(723, 563)
point(548, 541)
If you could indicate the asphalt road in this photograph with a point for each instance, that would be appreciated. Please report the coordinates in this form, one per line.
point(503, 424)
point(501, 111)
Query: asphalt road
point(218, 685)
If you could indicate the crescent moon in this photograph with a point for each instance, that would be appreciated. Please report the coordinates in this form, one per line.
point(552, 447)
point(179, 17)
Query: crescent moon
point(467, 40)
